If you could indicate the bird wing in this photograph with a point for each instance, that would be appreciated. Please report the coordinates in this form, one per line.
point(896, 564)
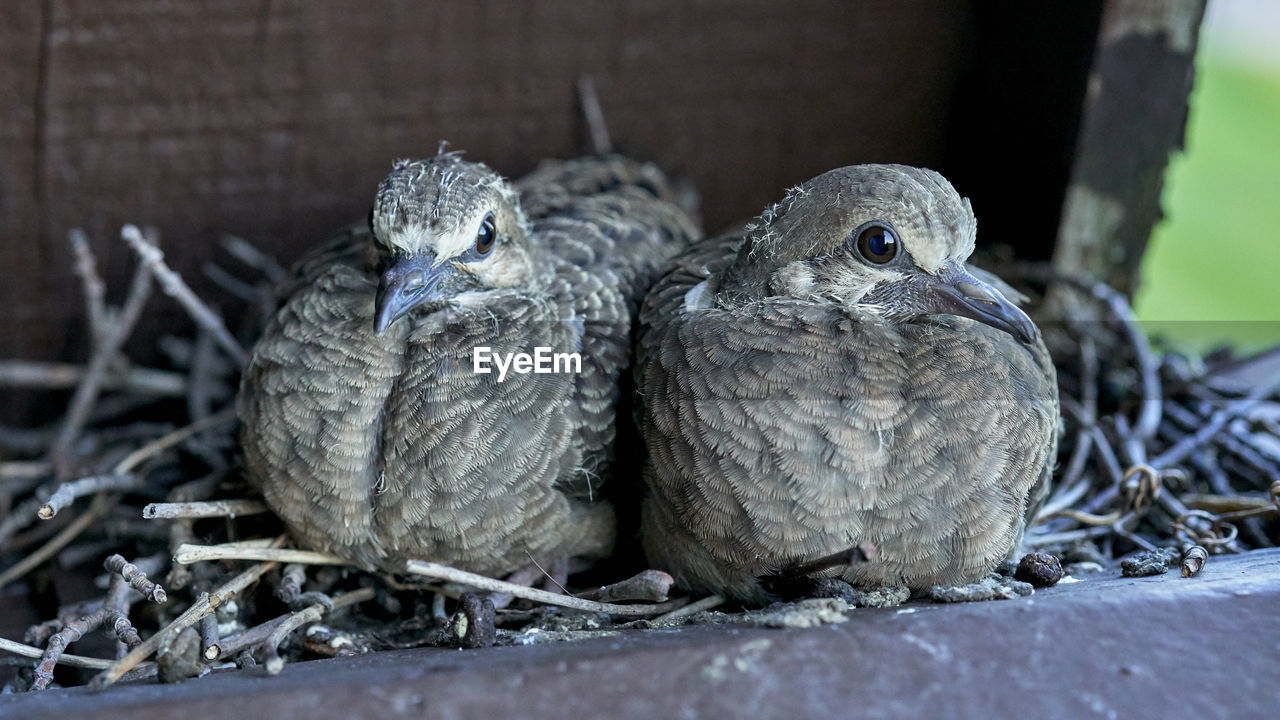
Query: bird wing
point(311, 403)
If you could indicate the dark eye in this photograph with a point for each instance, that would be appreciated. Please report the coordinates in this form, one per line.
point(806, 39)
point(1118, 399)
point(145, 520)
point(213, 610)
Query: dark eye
point(487, 235)
point(878, 244)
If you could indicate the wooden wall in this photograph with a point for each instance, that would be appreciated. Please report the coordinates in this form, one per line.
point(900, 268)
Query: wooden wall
point(274, 119)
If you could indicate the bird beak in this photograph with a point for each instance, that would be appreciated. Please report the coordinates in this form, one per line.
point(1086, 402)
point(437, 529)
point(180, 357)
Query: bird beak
point(406, 284)
point(955, 291)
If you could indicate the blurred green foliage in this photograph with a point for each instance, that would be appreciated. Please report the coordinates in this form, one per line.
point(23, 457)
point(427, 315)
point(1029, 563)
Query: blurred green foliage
point(1212, 272)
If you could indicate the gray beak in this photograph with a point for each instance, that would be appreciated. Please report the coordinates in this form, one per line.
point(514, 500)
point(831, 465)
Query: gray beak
point(406, 284)
point(955, 291)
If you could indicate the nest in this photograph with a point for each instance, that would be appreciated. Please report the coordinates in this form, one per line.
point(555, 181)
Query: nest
point(1164, 459)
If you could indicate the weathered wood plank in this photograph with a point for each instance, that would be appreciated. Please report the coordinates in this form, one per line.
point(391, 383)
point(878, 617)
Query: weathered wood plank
point(1134, 118)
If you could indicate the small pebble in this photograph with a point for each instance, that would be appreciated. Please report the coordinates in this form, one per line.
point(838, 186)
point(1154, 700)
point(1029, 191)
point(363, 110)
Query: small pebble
point(1150, 562)
point(1040, 569)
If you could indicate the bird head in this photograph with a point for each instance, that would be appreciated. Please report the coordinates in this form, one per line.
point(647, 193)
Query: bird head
point(890, 239)
point(445, 228)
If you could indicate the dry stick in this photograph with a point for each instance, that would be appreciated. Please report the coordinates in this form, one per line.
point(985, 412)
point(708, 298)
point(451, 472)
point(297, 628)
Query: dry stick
point(67, 492)
point(593, 115)
point(19, 517)
point(1074, 485)
point(1152, 405)
point(159, 445)
point(258, 634)
point(87, 391)
point(210, 650)
point(24, 469)
point(69, 633)
point(59, 376)
point(246, 253)
point(187, 554)
point(152, 259)
point(36, 653)
point(480, 582)
point(1068, 537)
point(1188, 444)
point(209, 509)
point(205, 606)
point(101, 503)
point(117, 605)
point(706, 603)
point(271, 648)
point(94, 290)
point(138, 580)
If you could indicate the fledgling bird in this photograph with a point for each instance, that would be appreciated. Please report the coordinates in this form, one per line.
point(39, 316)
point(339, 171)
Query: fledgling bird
point(365, 423)
point(834, 374)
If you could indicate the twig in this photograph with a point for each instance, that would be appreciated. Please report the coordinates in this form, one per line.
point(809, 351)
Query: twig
point(81, 661)
point(1149, 417)
point(67, 492)
point(187, 554)
point(593, 115)
point(213, 508)
point(117, 606)
point(480, 582)
point(159, 445)
point(271, 648)
point(210, 650)
point(1187, 445)
point(94, 291)
point(59, 376)
point(137, 579)
point(90, 384)
point(19, 517)
point(198, 610)
point(706, 603)
point(69, 633)
point(257, 635)
point(152, 259)
point(1067, 538)
point(1193, 560)
point(100, 505)
point(246, 253)
point(24, 469)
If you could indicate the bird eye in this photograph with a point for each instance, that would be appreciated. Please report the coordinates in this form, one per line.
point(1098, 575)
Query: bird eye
point(487, 235)
point(878, 244)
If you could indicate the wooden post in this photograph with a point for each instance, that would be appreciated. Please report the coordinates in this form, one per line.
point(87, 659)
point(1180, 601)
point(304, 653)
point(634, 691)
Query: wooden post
point(1134, 117)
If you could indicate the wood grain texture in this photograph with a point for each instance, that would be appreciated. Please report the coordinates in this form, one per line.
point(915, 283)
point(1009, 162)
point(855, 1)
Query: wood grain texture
point(275, 120)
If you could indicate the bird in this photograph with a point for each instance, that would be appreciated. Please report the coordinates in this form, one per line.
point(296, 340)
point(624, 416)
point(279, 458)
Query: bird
point(834, 374)
point(366, 421)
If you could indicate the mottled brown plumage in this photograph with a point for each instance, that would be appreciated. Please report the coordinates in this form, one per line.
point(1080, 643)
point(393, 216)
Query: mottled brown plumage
point(801, 398)
point(365, 425)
